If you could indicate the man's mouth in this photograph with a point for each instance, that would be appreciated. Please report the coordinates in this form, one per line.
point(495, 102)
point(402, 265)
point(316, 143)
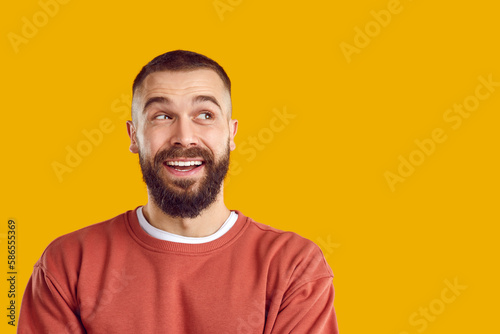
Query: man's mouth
point(184, 165)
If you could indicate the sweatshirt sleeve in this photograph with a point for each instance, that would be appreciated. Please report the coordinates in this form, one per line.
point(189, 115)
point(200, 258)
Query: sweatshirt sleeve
point(303, 302)
point(45, 308)
point(308, 309)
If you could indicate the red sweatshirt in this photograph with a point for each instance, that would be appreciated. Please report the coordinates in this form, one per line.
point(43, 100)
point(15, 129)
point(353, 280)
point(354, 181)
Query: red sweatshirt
point(113, 277)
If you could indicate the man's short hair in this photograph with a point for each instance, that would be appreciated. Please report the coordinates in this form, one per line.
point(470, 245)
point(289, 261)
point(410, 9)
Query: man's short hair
point(181, 60)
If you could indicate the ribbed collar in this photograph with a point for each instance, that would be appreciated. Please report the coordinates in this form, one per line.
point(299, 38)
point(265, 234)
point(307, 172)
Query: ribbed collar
point(157, 245)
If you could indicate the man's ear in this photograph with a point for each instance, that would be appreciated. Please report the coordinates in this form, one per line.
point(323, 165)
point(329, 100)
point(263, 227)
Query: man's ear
point(132, 133)
point(233, 128)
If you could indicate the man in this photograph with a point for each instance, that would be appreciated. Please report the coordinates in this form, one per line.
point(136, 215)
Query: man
point(182, 263)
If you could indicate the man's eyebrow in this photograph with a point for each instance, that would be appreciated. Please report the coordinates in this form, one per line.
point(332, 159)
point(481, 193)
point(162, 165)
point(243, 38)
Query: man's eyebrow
point(204, 98)
point(156, 99)
point(166, 100)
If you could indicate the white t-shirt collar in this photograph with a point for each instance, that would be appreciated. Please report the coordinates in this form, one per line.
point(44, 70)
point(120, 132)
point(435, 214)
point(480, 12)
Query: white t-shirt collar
point(167, 236)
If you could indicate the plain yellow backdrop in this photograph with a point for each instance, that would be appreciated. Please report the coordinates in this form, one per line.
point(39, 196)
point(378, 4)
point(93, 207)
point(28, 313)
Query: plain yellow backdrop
point(369, 127)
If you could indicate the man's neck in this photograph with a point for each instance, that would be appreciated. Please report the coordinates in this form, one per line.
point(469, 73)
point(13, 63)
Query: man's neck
point(207, 223)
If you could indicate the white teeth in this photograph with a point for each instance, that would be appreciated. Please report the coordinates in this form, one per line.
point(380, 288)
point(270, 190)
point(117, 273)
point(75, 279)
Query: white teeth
point(184, 163)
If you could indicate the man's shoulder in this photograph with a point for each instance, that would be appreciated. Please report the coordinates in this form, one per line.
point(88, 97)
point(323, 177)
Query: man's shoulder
point(288, 243)
point(93, 236)
point(94, 230)
point(290, 249)
point(273, 234)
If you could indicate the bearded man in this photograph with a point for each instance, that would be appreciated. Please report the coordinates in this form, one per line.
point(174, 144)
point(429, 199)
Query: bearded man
point(183, 262)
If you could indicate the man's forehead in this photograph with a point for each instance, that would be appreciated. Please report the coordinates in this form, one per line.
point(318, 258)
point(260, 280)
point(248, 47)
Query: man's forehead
point(178, 82)
point(182, 84)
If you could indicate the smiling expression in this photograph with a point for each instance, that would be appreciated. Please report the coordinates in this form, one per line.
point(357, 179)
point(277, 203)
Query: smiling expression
point(182, 122)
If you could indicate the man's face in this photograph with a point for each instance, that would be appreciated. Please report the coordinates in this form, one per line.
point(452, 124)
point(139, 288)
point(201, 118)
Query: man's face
point(183, 133)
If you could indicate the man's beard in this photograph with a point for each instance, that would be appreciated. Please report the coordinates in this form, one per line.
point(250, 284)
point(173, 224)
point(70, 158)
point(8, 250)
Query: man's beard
point(184, 202)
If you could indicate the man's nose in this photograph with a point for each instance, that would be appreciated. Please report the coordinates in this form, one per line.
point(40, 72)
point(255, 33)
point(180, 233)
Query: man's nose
point(184, 133)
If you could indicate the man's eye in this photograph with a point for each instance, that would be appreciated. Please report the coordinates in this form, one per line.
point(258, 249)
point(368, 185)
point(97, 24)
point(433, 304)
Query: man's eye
point(205, 115)
point(162, 117)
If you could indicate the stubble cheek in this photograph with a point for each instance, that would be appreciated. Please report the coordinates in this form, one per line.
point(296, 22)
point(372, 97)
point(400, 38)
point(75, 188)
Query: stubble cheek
point(150, 146)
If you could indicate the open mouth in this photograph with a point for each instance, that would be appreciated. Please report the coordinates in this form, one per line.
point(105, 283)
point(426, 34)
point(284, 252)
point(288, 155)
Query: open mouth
point(184, 165)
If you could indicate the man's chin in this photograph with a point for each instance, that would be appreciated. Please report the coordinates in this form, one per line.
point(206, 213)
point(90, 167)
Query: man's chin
point(187, 186)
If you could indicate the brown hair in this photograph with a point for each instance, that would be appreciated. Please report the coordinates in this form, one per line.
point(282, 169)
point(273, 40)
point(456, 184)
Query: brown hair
point(180, 60)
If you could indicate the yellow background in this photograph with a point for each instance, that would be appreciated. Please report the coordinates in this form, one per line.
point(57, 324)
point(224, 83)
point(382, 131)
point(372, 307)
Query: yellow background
point(321, 175)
